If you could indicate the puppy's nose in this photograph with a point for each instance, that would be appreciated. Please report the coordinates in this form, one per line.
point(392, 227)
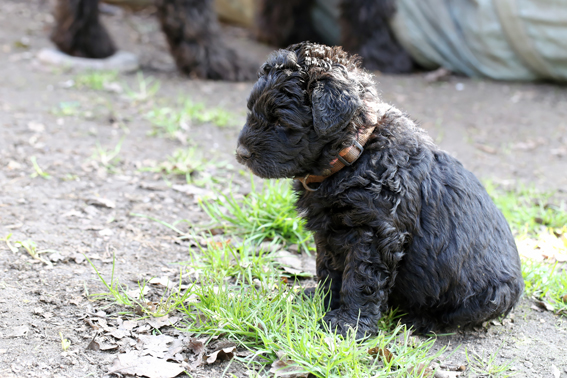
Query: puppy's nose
point(243, 152)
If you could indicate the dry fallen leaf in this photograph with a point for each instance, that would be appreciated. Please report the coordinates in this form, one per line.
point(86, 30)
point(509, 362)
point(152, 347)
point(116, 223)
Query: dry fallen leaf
point(17, 331)
point(544, 305)
point(446, 374)
point(157, 345)
point(295, 264)
point(383, 353)
point(189, 190)
point(288, 369)
point(36, 127)
point(119, 333)
point(292, 271)
point(196, 346)
point(440, 74)
point(289, 260)
point(102, 345)
point(101, 202)
point(224, 354)
point(137, 293)
point(93, 345)
point(128, 325)
point(487, 149)
point(157, 323)
point(422, 369)
point(151, 367)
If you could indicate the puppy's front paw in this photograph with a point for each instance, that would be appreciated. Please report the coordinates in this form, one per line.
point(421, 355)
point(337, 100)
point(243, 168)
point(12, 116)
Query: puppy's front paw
point(343, 323)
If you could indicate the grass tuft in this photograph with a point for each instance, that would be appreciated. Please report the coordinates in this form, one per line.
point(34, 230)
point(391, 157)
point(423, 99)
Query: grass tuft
point(108, 158)
point(540, 226)
point(277, 323)
point(268, 214)
point(30, 247)
point(67, 109)
point(171, 121)
point(527, 210)
point(96, 80)
point(486, 366)
point(38, 172)
point(189, 163)
point(243, 263)
point(147, 88)
point(547, 283)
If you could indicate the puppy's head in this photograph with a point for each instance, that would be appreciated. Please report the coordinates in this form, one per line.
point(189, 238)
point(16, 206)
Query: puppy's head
point(308, 103)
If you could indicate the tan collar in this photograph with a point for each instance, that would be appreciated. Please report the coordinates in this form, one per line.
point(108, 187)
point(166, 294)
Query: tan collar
point(347, 156)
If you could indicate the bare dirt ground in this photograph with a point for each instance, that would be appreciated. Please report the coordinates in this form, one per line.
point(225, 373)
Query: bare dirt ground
point(507, 132)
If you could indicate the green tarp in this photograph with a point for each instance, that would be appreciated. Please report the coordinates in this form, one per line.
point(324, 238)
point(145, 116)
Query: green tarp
point(499, 39)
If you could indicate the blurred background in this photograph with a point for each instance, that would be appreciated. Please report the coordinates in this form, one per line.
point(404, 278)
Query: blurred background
point(509, 131)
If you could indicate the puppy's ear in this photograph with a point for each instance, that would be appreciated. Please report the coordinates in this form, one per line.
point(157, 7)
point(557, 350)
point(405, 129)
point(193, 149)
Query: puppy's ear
point(334, 102)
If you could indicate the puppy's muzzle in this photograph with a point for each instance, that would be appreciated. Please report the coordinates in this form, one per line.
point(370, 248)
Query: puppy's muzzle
point(243, 153)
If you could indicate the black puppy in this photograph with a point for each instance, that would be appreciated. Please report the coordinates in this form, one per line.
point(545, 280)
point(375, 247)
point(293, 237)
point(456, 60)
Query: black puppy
point(397, 221)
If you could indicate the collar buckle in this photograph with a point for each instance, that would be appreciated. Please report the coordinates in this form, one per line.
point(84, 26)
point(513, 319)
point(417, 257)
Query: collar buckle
point(306, 185)
point(349, 163)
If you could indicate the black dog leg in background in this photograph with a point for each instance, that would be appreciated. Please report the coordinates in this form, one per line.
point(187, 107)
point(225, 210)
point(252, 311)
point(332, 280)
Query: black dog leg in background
point(282, 23)
point(193, 33)
point(365, 31)
point(78, 31)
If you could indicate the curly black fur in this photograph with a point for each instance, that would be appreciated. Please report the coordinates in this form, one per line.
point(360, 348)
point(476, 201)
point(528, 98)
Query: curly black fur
point(191, 28)
point(405, 226)
point(364, 24)
point(78, 31)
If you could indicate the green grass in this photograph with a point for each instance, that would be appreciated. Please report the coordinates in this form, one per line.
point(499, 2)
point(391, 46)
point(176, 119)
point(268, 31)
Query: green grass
point(38, 172)
point(170, 121)
point(266, 214)
point(486, 366)
point(67, 109)
point(547, 283)
point(147, 88)
point(96, 80)
point(244, 263)
point(275, 321)
point(188, 162)
point(29, 246)
point(532, 215)
point(108, 158)
point(527, 210)
point(238, 294)
point(135, 299)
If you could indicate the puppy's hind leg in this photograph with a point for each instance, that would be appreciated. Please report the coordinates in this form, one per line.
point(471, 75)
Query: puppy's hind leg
point(78, 31)
point(492, 302)
point(194, 37)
